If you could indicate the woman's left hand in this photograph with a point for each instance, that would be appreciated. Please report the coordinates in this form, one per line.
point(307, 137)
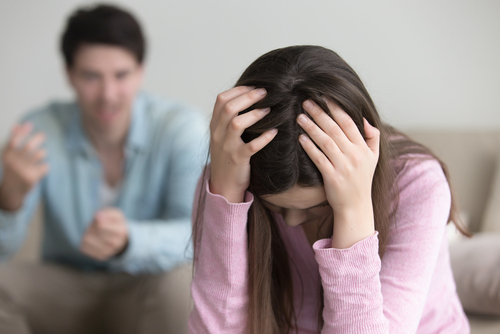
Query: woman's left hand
point(347, 163)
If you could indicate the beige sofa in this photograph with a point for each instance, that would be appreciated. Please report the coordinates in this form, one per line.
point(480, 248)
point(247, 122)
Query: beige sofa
point(471, 158)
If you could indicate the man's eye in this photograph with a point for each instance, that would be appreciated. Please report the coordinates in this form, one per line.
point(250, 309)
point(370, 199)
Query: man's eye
point(90, 76)
point(122, 75)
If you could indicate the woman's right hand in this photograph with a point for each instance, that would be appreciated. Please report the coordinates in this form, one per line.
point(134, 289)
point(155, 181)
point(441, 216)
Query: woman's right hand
point(230, 155)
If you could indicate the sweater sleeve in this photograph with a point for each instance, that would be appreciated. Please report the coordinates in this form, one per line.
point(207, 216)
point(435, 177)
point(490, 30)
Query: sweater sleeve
point(220, 283)
point(363, 294)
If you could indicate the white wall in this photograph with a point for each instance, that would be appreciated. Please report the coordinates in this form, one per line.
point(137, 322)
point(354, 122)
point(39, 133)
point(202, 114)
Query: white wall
point(427, 64)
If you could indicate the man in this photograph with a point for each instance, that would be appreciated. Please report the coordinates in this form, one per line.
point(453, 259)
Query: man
point(116, 170)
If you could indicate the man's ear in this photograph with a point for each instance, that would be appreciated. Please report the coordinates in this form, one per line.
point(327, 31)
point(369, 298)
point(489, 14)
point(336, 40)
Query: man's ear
point(140, 72)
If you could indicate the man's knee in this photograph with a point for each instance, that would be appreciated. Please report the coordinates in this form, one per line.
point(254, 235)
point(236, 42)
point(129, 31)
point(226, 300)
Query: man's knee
point(168, 302)
point(7, 303)
point(12, 319)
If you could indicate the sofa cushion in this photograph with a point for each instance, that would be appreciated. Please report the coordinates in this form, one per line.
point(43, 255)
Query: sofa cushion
point(491, 218)
point(476, 267)
point(470, 157)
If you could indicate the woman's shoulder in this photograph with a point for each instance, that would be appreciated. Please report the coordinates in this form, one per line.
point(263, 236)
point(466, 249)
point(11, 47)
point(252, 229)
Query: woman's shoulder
point(424, 196)
point(420, 170)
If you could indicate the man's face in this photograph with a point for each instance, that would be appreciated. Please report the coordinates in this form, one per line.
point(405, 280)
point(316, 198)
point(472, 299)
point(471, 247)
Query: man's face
point(106, 80)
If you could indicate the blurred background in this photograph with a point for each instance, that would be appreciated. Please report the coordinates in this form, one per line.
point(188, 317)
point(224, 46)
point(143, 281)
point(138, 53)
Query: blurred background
point(427, 64)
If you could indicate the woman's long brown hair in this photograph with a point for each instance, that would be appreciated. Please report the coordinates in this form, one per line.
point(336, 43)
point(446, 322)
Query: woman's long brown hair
point(291, 75)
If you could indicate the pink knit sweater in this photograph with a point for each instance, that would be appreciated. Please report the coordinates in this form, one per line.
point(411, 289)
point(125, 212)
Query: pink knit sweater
point(410, 291)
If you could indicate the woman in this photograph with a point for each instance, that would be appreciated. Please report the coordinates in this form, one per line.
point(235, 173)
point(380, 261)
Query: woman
point(314, 216)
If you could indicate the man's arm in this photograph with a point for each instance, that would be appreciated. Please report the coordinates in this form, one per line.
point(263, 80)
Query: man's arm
point(22, 167)
point(14, 224)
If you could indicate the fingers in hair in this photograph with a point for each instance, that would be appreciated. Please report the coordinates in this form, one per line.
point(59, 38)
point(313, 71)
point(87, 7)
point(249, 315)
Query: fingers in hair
point(344, 121)
point(323, 140)
point(260, 142)
point(321, 161)
point(238, 124)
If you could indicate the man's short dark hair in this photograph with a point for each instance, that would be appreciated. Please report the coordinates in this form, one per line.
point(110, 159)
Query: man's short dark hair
point(102, 24)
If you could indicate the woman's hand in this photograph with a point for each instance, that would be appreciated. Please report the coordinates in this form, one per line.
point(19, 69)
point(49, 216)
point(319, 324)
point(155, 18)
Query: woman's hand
point(347, 163)
point(230, 155)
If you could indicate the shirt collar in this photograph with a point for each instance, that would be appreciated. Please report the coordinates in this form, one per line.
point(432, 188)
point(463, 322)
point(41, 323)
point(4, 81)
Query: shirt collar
point(77, 139)
point(138, 131)
point(137, 134)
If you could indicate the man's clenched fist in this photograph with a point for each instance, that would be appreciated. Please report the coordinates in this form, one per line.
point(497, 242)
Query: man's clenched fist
point(107, 235)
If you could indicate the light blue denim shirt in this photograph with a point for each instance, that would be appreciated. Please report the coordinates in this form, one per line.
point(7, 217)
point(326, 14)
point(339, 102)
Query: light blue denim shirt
point(164, 154)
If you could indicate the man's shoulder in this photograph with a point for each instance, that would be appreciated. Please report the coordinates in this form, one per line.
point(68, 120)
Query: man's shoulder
point(160, 107)
point(166, 113)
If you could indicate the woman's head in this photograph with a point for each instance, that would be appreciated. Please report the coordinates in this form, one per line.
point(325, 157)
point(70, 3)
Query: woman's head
point(291, 75)
point(282, 173)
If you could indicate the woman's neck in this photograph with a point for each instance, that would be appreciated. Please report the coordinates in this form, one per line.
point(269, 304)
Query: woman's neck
point(318, 229)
